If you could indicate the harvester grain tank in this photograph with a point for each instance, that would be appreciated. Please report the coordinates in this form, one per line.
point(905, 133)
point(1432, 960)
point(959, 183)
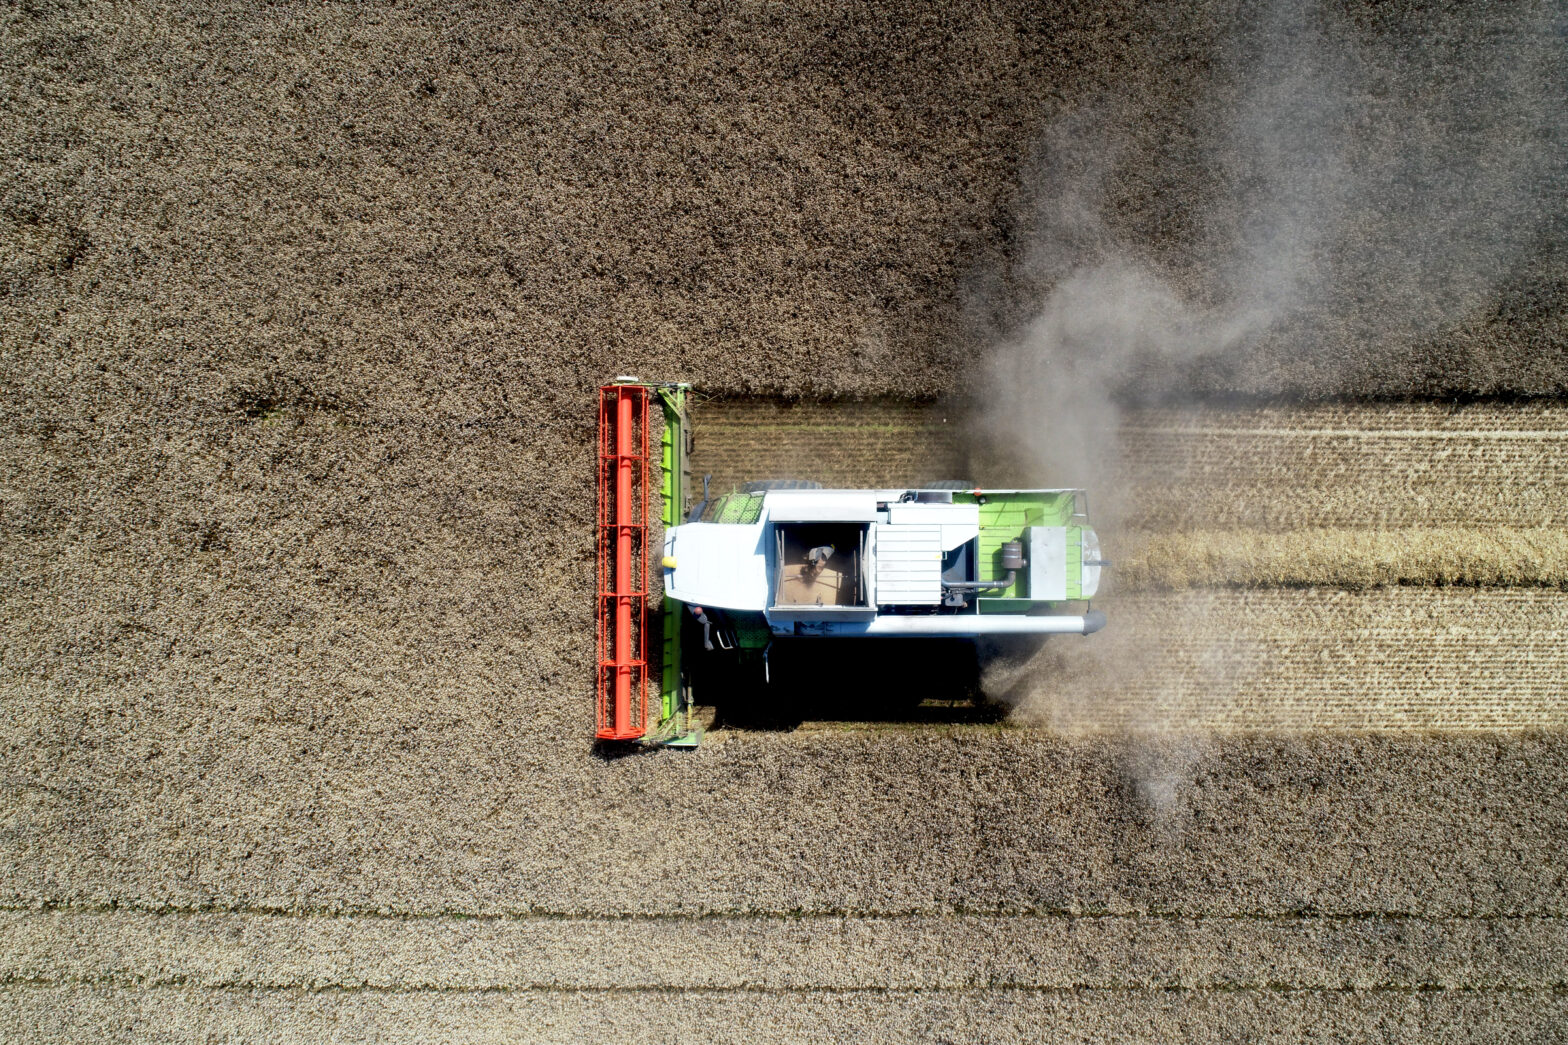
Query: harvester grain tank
point(787, 559)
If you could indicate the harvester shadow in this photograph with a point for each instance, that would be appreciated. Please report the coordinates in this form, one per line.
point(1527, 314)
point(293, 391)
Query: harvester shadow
point(891, 681)
point(615, 750)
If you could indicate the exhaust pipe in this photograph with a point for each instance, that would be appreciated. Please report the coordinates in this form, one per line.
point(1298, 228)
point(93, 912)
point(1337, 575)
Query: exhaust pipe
point(1012, 561)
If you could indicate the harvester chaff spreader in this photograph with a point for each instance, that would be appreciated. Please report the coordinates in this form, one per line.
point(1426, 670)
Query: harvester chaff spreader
point(786, 559)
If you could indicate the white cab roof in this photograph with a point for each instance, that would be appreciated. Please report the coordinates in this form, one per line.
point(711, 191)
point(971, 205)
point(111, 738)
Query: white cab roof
point(717, 564)
point(821, 505)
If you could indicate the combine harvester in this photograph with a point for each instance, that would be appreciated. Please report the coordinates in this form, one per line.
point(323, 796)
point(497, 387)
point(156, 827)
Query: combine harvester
point(787, 559)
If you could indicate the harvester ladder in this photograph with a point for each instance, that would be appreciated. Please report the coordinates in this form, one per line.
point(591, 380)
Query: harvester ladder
point(622, 698)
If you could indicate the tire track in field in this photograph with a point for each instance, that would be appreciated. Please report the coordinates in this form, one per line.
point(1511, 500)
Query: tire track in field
point(832, 953)
point(178, 1014)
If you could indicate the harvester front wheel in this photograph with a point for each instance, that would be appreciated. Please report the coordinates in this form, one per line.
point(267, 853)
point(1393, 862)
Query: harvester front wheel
point(946, 484)
point(764, 485)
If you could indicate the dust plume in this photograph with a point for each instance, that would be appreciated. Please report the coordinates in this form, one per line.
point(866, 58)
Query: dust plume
point(1356, 184)
point(1348, 191)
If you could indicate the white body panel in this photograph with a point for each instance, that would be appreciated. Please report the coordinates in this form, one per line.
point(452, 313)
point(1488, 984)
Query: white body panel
point(909, 565)
point(718, 564)
point(959, 522)
point(821, 505)
point(1048, 563)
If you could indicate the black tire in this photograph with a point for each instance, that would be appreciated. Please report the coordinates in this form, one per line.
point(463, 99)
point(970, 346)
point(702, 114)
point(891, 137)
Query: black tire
point(764, 485)
point(946, 484)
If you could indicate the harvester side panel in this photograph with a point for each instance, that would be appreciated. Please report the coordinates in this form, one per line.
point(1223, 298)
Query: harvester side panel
point(622, 530)
point(673, 494)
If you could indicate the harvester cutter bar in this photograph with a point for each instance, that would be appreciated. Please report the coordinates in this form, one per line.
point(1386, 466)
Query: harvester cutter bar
point(622, 539)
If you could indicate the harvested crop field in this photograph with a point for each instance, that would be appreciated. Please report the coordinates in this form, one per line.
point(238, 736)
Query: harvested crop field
point(1387, 566)
point(303, 312)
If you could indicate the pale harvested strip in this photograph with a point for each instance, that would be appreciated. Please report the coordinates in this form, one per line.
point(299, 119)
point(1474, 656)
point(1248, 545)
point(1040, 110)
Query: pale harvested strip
point(1349, 466)
point(1494, 556)
point(1277, 469)
point(1287, 659)
point(110, 1014)
point(880, 442)
point(1543, 417)
point(781, 953)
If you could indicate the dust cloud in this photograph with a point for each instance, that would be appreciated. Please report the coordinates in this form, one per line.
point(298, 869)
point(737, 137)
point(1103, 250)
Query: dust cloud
point(1349, 189)
point(1352, 185)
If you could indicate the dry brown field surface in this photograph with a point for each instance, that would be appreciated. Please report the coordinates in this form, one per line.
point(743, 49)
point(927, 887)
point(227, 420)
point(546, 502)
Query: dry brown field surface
point(302, 309)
